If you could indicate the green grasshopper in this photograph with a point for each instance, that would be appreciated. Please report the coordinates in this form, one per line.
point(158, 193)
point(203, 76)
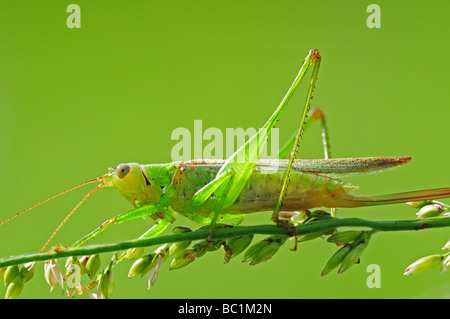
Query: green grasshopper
point(207, 191)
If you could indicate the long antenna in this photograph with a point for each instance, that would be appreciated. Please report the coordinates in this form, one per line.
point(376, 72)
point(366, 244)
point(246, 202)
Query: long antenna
point(70, 214)
point(51, 197)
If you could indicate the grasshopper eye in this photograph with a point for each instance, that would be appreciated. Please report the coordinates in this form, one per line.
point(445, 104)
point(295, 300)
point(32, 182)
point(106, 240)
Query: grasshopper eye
point(122, 170)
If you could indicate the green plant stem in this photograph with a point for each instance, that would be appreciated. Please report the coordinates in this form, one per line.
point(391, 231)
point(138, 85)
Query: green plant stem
point(224, 233)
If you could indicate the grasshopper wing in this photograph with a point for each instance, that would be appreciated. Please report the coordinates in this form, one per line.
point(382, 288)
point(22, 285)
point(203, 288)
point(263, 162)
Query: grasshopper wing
point(338, 167)
point(335, 167)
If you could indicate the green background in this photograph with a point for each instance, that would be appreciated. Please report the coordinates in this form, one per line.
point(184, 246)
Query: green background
point(74, 102)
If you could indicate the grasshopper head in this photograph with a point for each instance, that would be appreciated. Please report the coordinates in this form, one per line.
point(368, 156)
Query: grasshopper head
point(130, 181)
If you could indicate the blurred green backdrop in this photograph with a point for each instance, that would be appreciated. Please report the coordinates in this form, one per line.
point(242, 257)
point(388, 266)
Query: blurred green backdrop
point(77, 101)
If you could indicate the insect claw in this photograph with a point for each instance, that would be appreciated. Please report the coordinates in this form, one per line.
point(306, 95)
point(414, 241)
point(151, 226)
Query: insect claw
point(295, 244)
point(293, 232)
point(57, 248)
point(286, 215)
point(210, 236)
